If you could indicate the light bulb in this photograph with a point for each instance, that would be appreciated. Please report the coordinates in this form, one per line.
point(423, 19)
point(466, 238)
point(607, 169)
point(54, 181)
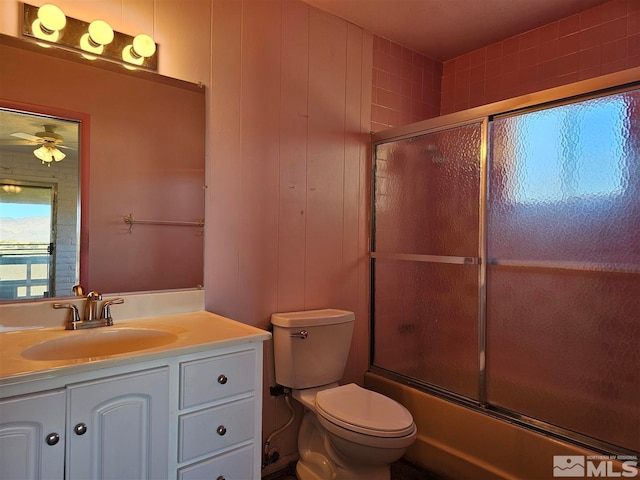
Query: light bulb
point(49, 23)
point(100, 34)
point(11, 188)
point(128, 55)
point(142, 47)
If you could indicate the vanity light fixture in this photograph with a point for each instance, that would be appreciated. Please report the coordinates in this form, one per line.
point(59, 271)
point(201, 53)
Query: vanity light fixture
point(48, 153)
point(11, 188)
point(49, 22)
point(48, 26)
point(100, 34)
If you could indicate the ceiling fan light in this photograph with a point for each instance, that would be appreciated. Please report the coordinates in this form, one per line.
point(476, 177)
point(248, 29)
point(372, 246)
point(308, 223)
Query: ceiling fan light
point(48, 154)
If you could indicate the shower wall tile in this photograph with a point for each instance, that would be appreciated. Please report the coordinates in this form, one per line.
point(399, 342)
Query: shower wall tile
point(405, 86)
point(597, 41)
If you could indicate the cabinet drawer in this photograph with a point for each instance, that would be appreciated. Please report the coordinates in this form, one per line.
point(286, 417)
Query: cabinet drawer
point(208, 430)
point(203, 381)
point(234, 465)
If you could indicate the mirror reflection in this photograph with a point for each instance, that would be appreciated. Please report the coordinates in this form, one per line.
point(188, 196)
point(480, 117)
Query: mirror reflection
point(39, 206)
point(134, 142)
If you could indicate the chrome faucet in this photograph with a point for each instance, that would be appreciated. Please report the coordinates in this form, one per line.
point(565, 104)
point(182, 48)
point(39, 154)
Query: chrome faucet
point(91, 306)
point(91, 319)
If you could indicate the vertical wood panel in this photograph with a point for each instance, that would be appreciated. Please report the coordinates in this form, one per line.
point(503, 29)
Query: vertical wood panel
point(223, 173)
point(325, 161)
point(260, 118)
point(293, 156)
point(353, 139)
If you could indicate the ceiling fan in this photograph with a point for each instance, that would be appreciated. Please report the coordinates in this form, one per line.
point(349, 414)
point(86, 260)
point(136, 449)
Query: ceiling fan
point(50, 142)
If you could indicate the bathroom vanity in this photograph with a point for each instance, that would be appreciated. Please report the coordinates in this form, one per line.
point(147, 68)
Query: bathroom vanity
point(188, 408)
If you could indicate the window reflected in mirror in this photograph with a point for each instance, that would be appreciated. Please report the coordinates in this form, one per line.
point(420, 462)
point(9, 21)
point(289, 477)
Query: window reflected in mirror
point(39, 206)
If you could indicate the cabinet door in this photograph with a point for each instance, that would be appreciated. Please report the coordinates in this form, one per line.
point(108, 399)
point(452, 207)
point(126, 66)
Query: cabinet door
point(32, 436)
point(119, 427)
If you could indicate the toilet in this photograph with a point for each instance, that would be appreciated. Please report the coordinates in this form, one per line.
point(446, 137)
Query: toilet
point(347, 432)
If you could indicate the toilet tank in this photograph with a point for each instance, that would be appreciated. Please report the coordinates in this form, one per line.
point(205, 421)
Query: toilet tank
point(311, 347)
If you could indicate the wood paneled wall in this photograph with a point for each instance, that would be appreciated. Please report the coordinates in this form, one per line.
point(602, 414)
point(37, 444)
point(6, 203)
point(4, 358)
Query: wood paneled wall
point(287, 198)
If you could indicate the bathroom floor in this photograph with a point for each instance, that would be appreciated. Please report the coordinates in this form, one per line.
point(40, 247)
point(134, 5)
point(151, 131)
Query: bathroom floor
point(400, 470)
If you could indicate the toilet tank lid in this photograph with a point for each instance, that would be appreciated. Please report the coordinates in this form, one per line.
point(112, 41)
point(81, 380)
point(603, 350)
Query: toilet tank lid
point(310, 318)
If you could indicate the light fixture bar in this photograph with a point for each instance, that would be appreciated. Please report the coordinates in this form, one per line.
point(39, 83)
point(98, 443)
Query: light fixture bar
point(85, 38)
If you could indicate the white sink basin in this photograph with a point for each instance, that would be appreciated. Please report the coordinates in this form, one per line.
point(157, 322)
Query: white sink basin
point(101, 342)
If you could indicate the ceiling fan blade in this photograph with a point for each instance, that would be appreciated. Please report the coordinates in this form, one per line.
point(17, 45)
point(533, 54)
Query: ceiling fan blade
point(26, 136)
point(17, 142)
point(65, 147)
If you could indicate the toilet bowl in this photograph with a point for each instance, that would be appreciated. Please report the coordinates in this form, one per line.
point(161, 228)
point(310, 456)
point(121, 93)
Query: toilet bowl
point(347, 432)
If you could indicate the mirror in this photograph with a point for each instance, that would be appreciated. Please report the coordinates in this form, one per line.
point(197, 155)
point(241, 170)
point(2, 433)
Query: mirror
point(139, 150)
point(39, 205)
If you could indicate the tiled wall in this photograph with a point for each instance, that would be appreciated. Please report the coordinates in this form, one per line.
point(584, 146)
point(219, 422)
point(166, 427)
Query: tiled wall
point(409, 87)
point(598, 41)
point(406, 85)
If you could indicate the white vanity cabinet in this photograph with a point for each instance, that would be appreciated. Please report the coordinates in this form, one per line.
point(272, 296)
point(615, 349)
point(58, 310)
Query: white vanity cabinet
point(218, 421)
point(32, 436)
point(115, 427)
point(191, 415)
point(118, 427)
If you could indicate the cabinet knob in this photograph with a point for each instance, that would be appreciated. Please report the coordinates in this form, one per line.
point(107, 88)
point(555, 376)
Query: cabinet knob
point(52, 439)
point(80, 429)
point(221, 430)
point(221, 478)
point(222, 379)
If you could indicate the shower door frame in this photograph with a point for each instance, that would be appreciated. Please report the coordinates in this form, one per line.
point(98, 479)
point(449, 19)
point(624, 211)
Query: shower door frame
point(608, 84)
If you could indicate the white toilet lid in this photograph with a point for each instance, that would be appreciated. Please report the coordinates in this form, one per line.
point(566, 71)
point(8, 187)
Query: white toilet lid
point(364, 411)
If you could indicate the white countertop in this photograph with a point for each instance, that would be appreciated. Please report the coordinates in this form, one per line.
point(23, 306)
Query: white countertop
point(196, 332)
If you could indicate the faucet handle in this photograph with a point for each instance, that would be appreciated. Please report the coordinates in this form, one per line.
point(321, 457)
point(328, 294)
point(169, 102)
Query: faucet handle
point(78, 290)
point(106, 309)
point(75, 315)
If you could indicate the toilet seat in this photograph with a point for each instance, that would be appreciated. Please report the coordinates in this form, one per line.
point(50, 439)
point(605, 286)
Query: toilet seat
point(356, 409)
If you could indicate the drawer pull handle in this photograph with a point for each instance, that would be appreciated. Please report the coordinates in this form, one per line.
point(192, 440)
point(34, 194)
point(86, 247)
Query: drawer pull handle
point(52, 439)
point(80, 429)
point(222, 379)
point(221, 430)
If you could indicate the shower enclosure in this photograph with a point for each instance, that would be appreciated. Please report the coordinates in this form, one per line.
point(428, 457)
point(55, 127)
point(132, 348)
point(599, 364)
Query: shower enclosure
point(506, 264)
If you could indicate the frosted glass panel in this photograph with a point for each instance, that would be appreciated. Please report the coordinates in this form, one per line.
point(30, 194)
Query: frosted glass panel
point(564, 183)
point(563, 284)
point(426, 193)
point(426, 322)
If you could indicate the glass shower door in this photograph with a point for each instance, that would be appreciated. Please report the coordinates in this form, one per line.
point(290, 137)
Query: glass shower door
point(563, 281)
point(425, 249)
